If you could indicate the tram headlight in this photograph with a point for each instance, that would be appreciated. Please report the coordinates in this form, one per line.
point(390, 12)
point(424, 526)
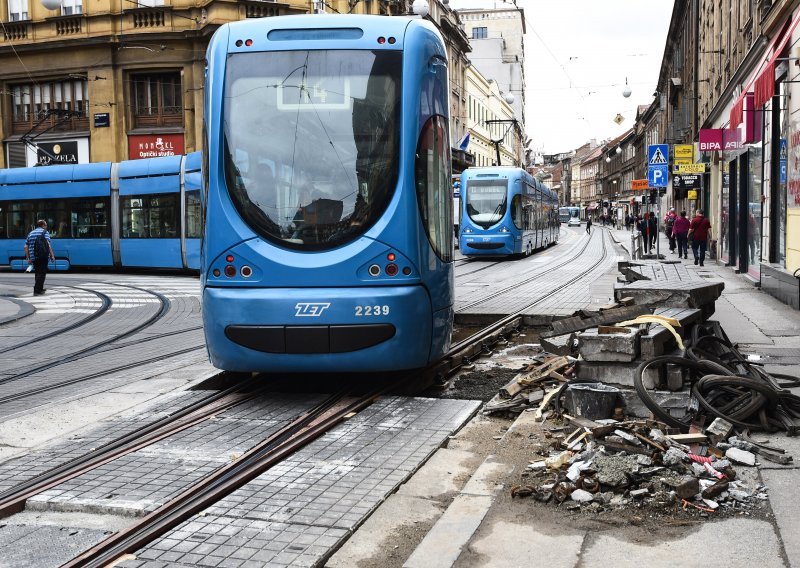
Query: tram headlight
point(468, 230)
point(504, 229)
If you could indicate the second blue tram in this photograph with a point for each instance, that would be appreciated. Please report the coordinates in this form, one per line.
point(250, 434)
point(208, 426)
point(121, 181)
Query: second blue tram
point(329, 225)
point(506, 211)
point(132, 214)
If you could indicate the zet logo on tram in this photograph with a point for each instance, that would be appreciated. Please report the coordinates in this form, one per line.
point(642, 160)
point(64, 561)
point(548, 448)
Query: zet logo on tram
point(310, 309)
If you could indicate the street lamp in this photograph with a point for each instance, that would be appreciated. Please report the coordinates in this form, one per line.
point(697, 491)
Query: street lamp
point(420, 8)
point(626, 92)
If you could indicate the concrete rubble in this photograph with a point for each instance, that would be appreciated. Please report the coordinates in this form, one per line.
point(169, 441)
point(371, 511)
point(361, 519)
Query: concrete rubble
point(617, 464)
point(664, 436)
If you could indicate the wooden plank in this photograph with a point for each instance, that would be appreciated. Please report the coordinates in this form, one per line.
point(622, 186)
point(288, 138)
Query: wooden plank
point(689, 438)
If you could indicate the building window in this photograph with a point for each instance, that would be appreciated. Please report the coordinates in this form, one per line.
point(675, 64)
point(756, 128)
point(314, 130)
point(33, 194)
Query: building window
point(157, 100)
point(17, 10)
point(71, 7)
point(479, 33)
point(37, 106)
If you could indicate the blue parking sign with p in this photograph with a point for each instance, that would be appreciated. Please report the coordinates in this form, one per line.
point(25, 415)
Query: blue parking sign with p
point(657, 176)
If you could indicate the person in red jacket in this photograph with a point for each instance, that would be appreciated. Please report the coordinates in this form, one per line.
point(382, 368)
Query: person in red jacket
point(680, 232)
point(698, 232)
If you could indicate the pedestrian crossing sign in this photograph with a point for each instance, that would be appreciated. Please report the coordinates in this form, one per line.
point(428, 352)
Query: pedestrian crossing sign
point(657, 154)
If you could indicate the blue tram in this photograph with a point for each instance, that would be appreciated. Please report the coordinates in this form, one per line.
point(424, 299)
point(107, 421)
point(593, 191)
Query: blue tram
point(329, 223)
point(134, 214)
point(570, 215)
point(506, 211)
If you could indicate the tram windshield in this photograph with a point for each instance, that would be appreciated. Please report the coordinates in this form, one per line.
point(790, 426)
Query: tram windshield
point(311, 142)
point(486, 201)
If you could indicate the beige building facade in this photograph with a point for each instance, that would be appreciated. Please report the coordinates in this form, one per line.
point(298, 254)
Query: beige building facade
point(110, 80)
point(484, 105)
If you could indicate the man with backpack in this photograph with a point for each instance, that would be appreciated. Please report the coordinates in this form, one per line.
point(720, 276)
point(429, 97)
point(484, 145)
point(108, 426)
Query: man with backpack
point(38, 251)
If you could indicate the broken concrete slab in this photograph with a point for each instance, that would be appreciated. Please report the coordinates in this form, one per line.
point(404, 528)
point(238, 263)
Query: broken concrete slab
point(620, 346)
point(683, 294)
point(675, 403)
point(559, 344)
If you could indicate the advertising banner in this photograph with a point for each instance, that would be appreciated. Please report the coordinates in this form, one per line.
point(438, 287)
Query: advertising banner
point(154, 145)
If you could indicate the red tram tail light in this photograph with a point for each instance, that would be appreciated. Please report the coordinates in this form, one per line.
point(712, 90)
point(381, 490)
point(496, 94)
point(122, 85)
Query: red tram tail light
point(391, 269)
point(381, 40)
point(248, 42)
point(391, 257)
point(229, 258)
point(230, 271)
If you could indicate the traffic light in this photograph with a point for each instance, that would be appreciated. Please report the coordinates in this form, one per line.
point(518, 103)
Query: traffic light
point(653, 196)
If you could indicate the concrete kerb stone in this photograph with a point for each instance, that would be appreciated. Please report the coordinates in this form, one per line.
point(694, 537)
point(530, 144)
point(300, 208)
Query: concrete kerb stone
point(13, 309)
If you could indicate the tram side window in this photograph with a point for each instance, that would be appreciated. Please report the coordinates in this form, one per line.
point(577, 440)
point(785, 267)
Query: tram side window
point(517, 213)
point(90, 219)
point(150, 216)
point(21, 219)
point(56, 213)
point(194, 215)
point(434, 192)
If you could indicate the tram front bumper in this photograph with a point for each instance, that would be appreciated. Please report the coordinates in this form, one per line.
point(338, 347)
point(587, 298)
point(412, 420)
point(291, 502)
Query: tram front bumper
point(318, 329)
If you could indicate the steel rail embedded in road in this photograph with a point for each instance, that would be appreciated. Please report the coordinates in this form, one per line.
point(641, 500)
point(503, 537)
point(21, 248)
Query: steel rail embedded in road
point(106, 303)
point(298, 433)
point(480, 342)
point(75, 380)
point(164, 309)
point(13, 500)
point(548, 269)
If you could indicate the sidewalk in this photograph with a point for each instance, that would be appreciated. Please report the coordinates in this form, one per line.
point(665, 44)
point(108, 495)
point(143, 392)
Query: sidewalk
point(454, 512)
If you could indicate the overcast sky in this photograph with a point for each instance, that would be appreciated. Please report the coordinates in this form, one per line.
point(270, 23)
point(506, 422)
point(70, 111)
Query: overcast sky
point(578, 54)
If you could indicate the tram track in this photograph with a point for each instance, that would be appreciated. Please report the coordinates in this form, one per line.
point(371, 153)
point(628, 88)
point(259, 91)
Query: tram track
point(303, 428)
point(301, 431)
point(481, 342)
point(13, 500)
point(546, 271)
point(105, 305)
point(97, 347)
point(69, 382)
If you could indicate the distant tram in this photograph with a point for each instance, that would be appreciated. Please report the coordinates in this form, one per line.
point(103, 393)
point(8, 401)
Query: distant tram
point(567, 213)
point(506, 211)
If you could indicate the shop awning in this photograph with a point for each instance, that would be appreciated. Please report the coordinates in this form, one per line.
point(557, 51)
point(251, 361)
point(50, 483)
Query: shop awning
point(765, 74)
point(591, 207)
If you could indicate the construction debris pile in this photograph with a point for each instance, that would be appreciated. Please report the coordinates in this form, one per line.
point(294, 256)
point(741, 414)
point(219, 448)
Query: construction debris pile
point(658, 401)
point(653, 361)
point(606, 463)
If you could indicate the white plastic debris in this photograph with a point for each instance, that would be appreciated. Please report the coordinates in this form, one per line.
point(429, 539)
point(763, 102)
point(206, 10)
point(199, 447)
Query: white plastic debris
point(741, 456)
point(581, 496)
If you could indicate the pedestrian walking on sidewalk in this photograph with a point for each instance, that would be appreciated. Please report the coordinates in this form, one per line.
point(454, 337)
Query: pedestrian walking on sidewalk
point(669, 221)
point(680, 233)
point(698, 232)
point(644, 229)
point(38, 251)
point(589, 225)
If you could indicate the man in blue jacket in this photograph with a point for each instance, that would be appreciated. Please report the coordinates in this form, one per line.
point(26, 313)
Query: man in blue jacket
point(38, 251)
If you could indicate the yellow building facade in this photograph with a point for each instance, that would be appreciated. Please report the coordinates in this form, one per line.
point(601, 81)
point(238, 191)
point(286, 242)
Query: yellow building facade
point(110, 80)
